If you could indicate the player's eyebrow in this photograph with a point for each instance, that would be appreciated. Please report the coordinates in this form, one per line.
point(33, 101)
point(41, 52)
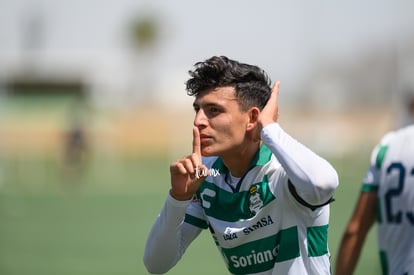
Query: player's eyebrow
point(197, 106)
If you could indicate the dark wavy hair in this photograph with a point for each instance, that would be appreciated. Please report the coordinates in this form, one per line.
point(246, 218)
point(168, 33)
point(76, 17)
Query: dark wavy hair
point(251, 84)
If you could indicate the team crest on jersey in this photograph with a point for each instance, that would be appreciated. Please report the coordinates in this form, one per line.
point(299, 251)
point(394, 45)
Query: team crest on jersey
point(255, 200)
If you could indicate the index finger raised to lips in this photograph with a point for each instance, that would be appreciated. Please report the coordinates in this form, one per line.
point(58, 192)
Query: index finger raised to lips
point(196, 142)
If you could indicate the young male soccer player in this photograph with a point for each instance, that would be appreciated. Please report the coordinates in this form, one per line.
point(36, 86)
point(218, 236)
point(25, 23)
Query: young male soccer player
point(387, 195)
point(263, 195)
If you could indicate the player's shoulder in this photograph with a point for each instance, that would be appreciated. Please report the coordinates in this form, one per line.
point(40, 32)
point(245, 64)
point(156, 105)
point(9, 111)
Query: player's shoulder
point(396, 135)
point(406, 131)
point(380, 150)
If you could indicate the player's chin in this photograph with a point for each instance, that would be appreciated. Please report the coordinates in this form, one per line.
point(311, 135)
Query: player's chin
point(207, 151)
point(207, 154)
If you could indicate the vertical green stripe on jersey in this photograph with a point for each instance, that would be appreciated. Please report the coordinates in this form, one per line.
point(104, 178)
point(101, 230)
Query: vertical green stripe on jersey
point(384, 262)
point(237, 202)
point(380, 156)
point(261, 255)
point(379, 212)
point(317, 240)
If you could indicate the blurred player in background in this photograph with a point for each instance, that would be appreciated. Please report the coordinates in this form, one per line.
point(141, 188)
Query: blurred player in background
point(263, 195)
point(408, 111)
point(76, 147)
point(387, 195)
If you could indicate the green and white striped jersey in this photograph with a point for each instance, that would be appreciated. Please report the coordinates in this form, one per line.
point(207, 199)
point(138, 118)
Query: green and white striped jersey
point(391, 175)
point(258, 226)
point(262, 224)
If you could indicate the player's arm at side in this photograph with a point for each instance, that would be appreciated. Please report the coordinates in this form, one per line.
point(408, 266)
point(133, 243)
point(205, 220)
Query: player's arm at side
point(363, 218)
point(169, 237)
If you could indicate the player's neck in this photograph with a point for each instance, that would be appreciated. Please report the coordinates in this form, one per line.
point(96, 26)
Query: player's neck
point(239, 161)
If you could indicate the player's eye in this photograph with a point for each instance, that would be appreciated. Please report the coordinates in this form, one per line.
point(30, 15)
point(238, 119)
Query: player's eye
point(214, 110)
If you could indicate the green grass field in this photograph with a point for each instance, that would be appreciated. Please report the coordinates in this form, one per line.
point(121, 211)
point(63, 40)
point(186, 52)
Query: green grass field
point(98, 223)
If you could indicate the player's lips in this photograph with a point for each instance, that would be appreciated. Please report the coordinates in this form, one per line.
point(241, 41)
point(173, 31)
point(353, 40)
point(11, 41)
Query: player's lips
point(205, 138)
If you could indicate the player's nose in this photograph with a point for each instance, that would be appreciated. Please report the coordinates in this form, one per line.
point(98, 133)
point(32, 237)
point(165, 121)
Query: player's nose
point(200, 119)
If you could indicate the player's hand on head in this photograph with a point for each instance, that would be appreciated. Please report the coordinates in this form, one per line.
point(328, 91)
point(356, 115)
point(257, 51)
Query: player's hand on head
point(188, 173)
point(270, 112)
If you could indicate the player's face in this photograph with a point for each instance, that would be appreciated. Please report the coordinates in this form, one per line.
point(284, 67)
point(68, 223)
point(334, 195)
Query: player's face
point(221, 123)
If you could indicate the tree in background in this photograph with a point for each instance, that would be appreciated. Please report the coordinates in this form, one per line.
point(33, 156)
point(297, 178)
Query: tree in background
point(144, 34)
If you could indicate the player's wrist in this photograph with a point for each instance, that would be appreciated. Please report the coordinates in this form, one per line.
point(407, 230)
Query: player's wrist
point(265, 121)
point(180, 197)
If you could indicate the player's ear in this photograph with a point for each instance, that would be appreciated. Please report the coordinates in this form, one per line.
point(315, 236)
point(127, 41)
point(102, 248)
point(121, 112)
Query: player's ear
point(253, 113)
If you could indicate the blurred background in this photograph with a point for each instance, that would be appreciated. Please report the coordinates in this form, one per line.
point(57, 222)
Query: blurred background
point(93, 109)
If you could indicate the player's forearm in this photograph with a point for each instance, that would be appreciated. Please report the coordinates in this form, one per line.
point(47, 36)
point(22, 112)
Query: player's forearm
point(314, 178)
point(348, 255)
point(164, 247)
